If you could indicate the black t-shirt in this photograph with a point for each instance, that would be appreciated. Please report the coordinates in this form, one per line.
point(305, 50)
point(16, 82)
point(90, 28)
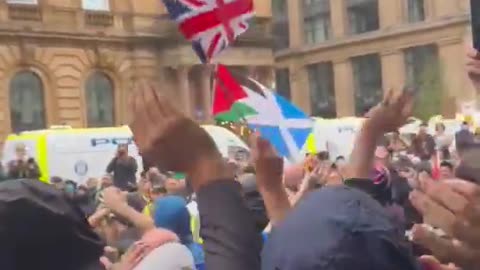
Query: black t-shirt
point(123, 172)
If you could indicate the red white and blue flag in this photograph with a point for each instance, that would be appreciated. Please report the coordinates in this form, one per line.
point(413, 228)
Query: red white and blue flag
point(211, 25)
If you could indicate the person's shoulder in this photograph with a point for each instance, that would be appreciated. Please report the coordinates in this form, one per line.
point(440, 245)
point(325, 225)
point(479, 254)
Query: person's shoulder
point(161, 258)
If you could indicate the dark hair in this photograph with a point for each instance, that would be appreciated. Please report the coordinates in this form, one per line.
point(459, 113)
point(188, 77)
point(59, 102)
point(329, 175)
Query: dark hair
point(440, 125)
point(56, 180)
point(323, 155)
point(157, 179)
point(249, 169)
point(159, 189)
point(122, 145)
point(82, 187)
point(446, 164)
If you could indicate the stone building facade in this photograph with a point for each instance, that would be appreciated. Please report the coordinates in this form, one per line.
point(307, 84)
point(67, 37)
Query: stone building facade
point(339, 56)
point(74, 62)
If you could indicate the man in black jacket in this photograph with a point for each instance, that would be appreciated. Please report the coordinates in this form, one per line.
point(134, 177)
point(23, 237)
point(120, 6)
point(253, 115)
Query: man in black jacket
point(123, 167)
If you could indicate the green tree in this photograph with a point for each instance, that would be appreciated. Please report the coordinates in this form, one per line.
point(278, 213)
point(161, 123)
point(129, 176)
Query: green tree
point(429, 91)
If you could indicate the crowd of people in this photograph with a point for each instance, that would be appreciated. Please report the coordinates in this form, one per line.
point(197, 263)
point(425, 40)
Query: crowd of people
point(394, 203)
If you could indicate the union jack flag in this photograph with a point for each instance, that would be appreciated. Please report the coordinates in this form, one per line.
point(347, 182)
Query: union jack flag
point(211, 25)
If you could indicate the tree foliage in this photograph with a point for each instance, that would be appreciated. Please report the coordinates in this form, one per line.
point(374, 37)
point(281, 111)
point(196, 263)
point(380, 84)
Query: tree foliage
point(429, 91)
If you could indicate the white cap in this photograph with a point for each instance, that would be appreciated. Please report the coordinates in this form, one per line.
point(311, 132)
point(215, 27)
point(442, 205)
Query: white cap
point(170, 256)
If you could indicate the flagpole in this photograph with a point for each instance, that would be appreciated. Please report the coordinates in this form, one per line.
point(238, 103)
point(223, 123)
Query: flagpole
point(212, 88)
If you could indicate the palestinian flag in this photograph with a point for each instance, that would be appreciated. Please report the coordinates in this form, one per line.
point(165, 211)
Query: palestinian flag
point(240, 99)
point(230, 93)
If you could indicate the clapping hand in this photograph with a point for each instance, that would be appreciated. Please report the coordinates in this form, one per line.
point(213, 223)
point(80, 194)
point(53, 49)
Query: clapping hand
point(454, 207)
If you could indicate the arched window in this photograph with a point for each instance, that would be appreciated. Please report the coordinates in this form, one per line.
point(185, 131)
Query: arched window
point(27, 107)
point(100, 101)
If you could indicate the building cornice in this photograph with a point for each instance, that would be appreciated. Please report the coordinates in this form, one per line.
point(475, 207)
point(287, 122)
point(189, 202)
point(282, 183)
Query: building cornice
point(389, 33)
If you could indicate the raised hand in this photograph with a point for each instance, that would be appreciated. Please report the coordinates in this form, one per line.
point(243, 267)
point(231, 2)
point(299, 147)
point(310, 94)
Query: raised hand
point(114, 198)
point(392, 113)
point(268, 165)
point(164, 135)
point(167, 138)
point(388, 116)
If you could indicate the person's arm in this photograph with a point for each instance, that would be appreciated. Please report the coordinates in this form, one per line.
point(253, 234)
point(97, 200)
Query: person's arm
point(139, 220)
point(361, 158)
point(166, 137)
point(111, 165)
point(386, 117)
point(116, 201)
point(269, 173)
point(35, 170)
point(95, 219)
point(134, 165)
point(230, 238)
point(302, 190)
point(276, 202)
point(228, 230)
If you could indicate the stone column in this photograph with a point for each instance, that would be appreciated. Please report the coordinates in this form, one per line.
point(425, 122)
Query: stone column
point(252, 72)
point(266, 76)
point(207, 90)
point(338, 13)
point(3, 11)
point(445, 7)
point(452, 71)
point(300, 93)
point(344, 92)
point(295, 25)
point(429, 6)
point(391, 12)
point(184, 89)
point(393, 70)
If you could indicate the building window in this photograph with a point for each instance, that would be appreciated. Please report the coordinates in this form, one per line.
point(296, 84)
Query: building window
point(418, 61)
point(367, 79)
point(23, 2)
point(96, 5)
point(282, 82)
point(415, 10)
point(362, 16)
point(322, 90)
point(280, 24)
point(317, 26)
point(100, 101)
point(27, 109)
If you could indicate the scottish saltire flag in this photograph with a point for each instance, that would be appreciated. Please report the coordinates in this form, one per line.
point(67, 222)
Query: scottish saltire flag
point(278, 120)
point(211, 25)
